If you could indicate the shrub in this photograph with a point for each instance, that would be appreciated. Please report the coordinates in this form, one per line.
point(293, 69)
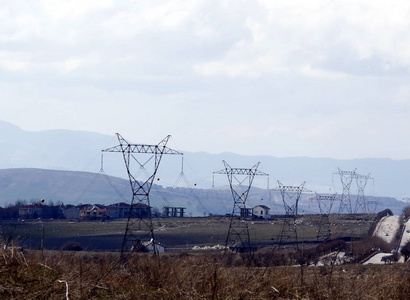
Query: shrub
point(405, 251)
point(406, 212)
point(71, 246)
point(37, 275)
point(330, 246)
point(384, 213)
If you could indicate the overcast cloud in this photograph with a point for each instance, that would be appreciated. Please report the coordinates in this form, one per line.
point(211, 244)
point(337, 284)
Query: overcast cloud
point(282, 78)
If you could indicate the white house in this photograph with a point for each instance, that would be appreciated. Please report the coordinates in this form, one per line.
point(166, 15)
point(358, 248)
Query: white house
point(261, 211)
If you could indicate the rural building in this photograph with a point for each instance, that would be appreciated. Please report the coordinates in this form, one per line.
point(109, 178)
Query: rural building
point(94, 213)
point(176, 212)
point(261, 211)
point(119, 210)
point(71, 212)
point(36, 211)
point(140, 210)
point(246, 212)
point(9, 213)
point(30, 212)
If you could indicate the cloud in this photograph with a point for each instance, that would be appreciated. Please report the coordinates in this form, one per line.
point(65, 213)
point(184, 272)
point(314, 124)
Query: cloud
point(73, 9)
point(403, 95)
point(149, 16)
point(212, 38)
point(296, 34)
point(12, 63)
point(295, 77)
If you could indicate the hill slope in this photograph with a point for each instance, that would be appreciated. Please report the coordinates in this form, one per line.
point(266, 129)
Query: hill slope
point(72, 187)
point(81, 151)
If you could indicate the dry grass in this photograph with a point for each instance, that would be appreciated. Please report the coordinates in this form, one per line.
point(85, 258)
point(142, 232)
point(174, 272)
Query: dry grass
point(33, 275)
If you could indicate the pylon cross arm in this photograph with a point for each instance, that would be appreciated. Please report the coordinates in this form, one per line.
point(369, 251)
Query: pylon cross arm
point(342, 173)
point(125, 146)
point(237, 171)
point(326, 198)
point(291, 189)
point(140, 148)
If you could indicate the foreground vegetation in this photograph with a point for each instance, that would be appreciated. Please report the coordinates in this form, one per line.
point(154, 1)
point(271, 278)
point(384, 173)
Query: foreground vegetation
point(314, 271)
point(43, 275)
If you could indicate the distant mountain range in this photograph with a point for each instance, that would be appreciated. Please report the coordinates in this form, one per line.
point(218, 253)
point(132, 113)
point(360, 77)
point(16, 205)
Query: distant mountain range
point(62, 151)
point(71, 187)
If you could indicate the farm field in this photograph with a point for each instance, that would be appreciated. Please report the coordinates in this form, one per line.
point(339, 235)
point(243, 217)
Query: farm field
point(177, 234)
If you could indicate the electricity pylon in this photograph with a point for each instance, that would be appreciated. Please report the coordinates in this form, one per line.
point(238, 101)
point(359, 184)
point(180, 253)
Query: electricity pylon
point(361, 181)
point(238, 232)
point(139, 224)
point(372, 206)
point(346, 177)
point(325, 203)
point(290, 197)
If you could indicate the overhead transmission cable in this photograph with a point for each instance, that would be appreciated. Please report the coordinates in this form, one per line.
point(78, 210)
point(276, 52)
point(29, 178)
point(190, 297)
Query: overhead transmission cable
point(182, 175)
point(72, 179)
point(94, 180)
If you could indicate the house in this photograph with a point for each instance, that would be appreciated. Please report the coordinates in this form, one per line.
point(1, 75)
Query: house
point(119, 210)
point(261, 211)
point(176, 212)
point(94, 213)
point(31, 211)
point(246, 212)
point(8, 213)
point(71, 212)
point(140, 210)
point(122, 210)
point(36, 211)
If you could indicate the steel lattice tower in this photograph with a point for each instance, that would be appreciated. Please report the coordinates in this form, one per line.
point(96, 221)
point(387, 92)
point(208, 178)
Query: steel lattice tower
point(325, 203)
point(361, 205)
point(372, 206)
point(346, 177)
point(139, 226)
point(290, 197)
point(238, 232)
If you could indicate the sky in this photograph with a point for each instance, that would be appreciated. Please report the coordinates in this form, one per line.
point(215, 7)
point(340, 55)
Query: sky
point(281, 78)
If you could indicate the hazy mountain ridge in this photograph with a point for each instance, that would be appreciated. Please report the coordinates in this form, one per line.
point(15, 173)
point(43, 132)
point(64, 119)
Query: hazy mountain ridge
point(81, 151)
point(70, 187)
